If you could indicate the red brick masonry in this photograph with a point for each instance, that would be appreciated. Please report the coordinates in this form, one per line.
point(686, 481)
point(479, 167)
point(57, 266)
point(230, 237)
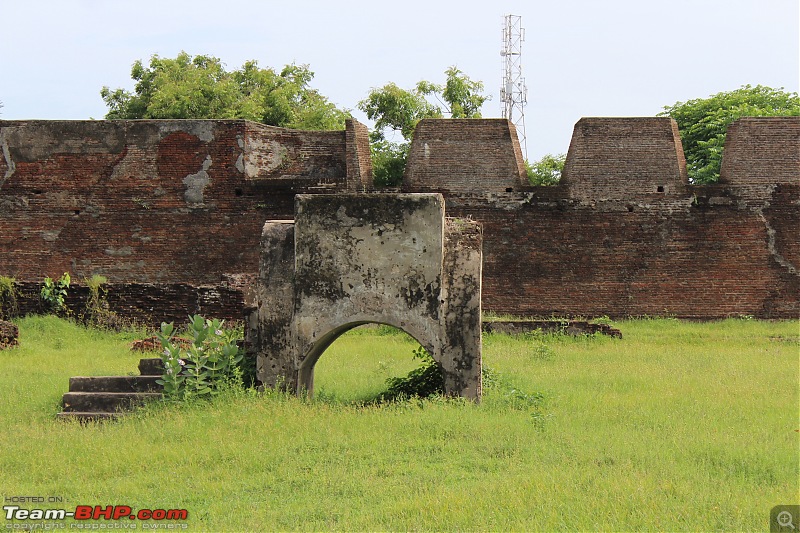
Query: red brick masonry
point(171, 212)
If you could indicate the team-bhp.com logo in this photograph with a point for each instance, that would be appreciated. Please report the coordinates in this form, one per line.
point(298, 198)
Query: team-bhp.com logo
point(96, 512)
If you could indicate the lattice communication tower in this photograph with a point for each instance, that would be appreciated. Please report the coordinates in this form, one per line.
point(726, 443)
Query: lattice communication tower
point(513, 92)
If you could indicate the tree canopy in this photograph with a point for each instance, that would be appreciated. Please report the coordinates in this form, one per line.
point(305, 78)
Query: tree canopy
point(400, 109)
point(547, 170)
point(703, 123)
point(397, 109)
point(200, 87)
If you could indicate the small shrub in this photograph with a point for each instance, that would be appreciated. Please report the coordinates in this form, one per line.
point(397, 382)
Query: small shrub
point(209, 364)
point(97, 312)
point(424, 381)
point(490, 378)
point(247, 365)
point(9, 307)
point(97, 293)
point(54, 293)
point(542, 352)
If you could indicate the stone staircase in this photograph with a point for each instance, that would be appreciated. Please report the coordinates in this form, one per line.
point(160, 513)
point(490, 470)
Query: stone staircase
point(109, 397)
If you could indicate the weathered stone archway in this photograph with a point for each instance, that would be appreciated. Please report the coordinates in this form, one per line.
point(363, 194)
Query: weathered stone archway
point(307, 365)
point(349, 260)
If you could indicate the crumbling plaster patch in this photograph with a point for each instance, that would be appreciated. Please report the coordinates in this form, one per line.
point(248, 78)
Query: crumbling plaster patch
point(265, 156)
point(10, 166)
point(202, 129)
point(50, 235)
point(196, 183)
point(240, 158)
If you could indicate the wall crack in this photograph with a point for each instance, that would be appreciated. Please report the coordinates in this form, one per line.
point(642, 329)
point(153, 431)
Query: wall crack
point(11, 167)
point(771, 246)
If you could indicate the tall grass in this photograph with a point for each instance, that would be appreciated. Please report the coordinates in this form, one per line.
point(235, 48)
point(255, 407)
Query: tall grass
point(678, 426)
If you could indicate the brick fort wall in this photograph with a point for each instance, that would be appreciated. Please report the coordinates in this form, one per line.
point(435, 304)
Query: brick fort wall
point(625, 234)
point(164, 209)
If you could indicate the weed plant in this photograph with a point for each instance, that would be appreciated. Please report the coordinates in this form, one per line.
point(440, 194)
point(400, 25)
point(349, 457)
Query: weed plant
point(9, 307)
point(53, 294)
point(97, 312)
point(210, 363)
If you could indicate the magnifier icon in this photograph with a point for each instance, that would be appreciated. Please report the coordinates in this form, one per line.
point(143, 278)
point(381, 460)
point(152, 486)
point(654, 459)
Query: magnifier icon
point(784, 519)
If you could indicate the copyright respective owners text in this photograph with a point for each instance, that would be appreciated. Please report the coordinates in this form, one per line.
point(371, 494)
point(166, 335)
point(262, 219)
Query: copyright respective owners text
point(53, 513)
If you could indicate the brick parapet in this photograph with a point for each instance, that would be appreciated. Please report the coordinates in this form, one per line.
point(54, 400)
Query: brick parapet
point(624, 159)
point(761, 151)
point(455, 156)
point(359, 159)
point(296, 160)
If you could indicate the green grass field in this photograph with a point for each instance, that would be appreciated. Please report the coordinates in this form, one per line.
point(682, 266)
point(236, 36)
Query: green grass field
point(678, 426)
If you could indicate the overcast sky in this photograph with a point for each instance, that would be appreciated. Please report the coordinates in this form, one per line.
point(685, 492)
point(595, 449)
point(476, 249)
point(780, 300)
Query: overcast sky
point(580, 57)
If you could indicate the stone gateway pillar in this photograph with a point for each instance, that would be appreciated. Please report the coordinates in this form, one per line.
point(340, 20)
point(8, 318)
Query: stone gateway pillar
point(353, 259)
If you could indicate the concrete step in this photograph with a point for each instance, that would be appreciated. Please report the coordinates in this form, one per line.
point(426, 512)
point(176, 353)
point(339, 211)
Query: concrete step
point(108, 397)
point(105, 402)
point(151, 367)
point(114, 384)
point(84, 416)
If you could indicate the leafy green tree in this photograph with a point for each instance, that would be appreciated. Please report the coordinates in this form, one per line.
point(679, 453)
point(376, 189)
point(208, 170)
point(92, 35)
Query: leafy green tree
point(703, 123)
point(546, 171)
point(461, 96)
point(397, 109)
point(200, 87)
point(388, 162)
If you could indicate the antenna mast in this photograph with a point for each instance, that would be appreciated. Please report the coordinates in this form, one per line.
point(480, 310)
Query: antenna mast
point(513, 92)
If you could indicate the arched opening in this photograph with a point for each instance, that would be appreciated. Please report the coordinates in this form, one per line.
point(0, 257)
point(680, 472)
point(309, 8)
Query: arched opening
point(354, 363)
